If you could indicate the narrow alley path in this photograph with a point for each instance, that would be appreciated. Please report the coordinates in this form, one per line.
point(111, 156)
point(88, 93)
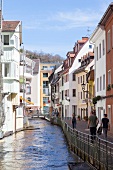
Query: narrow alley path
point(44, 148)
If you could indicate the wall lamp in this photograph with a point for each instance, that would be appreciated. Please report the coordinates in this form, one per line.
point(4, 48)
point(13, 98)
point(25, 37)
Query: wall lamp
point(67, 98)
point(83, 87)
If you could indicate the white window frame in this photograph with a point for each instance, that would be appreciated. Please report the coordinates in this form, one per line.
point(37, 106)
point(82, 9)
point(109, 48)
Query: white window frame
point(103, 46)
point(100, 83)
point(100, 50)
point(109, 113)
point(109, 76)
point(97, 84)
point(97, 53)
point(103, 81)
point(108, 41)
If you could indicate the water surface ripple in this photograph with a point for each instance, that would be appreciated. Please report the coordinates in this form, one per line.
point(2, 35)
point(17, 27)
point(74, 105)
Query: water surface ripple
point(44, 148)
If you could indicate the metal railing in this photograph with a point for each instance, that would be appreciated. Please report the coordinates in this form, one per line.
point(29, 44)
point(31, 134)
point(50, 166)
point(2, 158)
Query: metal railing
point(98, 152)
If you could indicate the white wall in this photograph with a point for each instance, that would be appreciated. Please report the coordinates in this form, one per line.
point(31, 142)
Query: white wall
point(100, 69)
point(76, 64)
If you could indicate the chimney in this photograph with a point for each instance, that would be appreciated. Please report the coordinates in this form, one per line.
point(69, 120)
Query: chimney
point(85, 38)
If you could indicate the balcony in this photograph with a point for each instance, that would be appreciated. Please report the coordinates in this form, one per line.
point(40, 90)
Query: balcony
point(25, 74)
point(10, 86)
point(10, 55)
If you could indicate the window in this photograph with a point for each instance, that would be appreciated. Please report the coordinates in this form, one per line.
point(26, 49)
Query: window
point(81, 79)
point(74, 109)
point(62, 95)
point(109, 77)
point(46, 91)
point(81, 95)
point(45, 100)
point(45, 84)
point(108, 41)
point(74, 77)
point(109, 113)
point(44, 67)
point(74, 92)
point(6, 70)
point(28, 90)
point(100, 50)
point(52, 67)
point(97, 53)
point(67, 79)
point(78, 80)
point(112, 36)
point(45, 74)
point(90, 46)
point(6, 39)
point(103, 46)
point(97, 84)
point(100, 83)
point(104, 82)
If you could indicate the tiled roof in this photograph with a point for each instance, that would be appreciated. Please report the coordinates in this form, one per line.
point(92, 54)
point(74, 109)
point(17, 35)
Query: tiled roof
point(36, 68)
point(9, 26)
point(64, 72)
point(80, 69)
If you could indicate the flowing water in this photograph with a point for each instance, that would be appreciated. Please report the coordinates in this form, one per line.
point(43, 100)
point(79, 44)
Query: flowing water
point(43, 148)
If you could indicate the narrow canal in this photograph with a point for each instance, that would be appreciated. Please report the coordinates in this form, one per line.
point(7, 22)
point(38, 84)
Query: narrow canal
point(43, 148)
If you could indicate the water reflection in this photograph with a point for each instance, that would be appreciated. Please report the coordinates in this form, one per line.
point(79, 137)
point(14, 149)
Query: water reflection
point(41, 149)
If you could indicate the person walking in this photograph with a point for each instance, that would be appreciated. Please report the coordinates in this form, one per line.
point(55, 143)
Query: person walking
point(73, 121)
point(105, 125)
point(92, 124)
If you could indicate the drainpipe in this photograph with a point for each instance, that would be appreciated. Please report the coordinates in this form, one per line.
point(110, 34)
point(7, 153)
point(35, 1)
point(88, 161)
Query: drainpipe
point(1, 81)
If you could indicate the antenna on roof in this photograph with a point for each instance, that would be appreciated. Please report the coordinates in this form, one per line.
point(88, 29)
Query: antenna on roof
point(88, 30)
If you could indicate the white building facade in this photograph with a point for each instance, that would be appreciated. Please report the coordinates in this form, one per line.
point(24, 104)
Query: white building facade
point(12, 39)
point(73, 83)
point(98, 39)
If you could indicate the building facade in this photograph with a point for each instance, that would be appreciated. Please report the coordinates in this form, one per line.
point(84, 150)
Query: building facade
point(45, 71)
point(12, 39)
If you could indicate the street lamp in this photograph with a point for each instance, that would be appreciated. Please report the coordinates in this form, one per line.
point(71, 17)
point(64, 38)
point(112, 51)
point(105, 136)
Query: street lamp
point(87, 92)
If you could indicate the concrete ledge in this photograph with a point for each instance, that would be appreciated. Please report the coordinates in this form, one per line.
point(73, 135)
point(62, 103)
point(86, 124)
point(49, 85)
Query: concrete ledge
point(79, 166)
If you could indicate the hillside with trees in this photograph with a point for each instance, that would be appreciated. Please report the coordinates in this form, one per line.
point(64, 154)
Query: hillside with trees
point(44, 57)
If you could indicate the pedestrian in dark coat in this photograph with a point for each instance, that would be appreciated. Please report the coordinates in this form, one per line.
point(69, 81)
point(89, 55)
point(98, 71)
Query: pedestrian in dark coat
point(73, 121)
point(105, 125)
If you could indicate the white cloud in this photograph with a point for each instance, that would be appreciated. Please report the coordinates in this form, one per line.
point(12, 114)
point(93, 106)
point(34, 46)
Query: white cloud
point(66, 20)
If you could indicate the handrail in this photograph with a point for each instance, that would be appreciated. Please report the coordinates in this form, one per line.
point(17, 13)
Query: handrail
point(99, 153)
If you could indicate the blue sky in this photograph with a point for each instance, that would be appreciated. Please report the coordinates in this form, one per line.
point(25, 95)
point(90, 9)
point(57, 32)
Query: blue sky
point(53, 26)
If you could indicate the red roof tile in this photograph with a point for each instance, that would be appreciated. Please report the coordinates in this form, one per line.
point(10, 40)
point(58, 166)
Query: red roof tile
point(8, 26)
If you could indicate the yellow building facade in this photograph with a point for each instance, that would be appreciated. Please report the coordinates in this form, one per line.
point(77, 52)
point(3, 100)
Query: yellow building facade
point(45, 71)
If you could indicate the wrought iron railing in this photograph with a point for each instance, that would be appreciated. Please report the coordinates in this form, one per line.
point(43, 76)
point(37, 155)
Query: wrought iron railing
point(98, 153)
